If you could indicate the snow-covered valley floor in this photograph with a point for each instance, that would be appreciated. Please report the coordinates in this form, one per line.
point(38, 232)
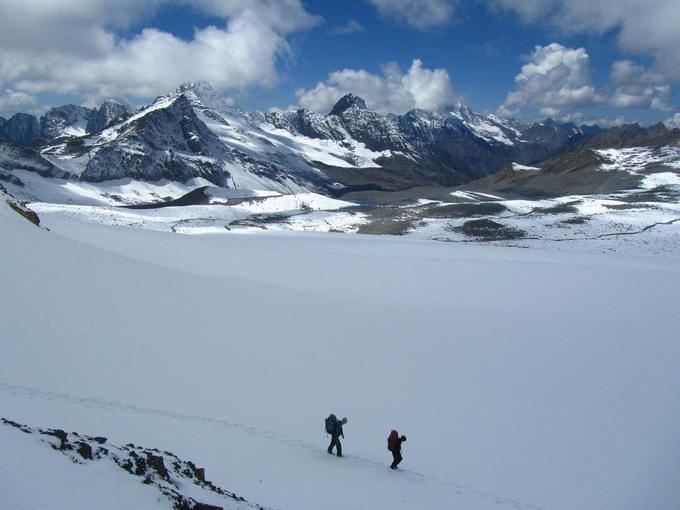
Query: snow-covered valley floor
point(522, 378)
point(643, 220)
point(614, 223)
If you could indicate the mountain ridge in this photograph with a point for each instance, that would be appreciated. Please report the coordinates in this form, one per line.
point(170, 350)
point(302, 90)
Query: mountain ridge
point(195, 133)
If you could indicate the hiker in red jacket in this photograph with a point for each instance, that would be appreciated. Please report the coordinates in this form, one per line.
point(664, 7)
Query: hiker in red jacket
point(394, 445)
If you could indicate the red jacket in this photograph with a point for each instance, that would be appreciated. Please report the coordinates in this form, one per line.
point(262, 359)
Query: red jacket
point(394, 441)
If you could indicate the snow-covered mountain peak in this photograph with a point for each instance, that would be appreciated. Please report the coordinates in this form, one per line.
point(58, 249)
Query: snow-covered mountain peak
point(460, 111)
point(200, 87)
point(202, 94)
point(195, 132)
point(346, 102)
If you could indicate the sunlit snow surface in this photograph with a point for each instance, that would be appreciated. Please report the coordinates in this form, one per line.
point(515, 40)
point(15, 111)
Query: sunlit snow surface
point(636, 159)
point(523, 379)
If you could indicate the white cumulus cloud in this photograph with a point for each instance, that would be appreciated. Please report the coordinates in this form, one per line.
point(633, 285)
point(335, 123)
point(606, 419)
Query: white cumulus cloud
point(73, 46)
point(557, 80)
point(636, 87)
point(673, 122)
point(392, 92)
point(647, 27)
point(580, 118)
point(12, 101)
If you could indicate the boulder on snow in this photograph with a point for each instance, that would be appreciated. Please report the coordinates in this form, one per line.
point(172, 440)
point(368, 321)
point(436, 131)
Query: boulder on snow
point(156, 463)
point(85, 450)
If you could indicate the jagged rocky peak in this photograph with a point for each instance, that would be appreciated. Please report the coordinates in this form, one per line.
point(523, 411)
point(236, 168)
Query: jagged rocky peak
point(347, 102)
point(110, 112)
point(174, 126)
point(67, 120)
point(162, 142)
point(21, 129)
point(550, 132)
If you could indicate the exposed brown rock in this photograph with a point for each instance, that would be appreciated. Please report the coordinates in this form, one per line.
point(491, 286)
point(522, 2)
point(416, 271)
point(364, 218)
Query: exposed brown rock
point(26, 213)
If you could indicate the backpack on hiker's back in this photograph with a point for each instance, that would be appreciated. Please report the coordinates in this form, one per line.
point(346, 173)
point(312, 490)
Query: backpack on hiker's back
point(393, 440)
point(331, 422)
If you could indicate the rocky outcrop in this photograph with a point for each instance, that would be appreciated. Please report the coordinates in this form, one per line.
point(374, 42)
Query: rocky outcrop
point(18, 207)
point(179, 482)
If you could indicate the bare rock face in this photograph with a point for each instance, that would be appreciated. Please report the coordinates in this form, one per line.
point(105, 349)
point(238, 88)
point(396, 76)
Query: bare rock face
point(170, 143)
point(21, 129)
point(67, 121)
point(111, 112)
point(347, 102)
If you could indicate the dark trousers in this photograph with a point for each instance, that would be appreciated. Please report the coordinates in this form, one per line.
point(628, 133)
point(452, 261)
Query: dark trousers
point(396, 455)
point(335, 442)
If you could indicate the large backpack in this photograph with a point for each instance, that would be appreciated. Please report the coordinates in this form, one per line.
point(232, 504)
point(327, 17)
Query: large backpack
point(331, 421)
point(393, 440)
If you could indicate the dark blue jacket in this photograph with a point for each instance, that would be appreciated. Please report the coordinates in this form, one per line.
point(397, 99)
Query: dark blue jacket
point(337, 431)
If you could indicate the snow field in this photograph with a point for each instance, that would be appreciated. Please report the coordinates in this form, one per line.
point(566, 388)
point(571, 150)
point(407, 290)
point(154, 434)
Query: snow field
point(523, 378)
point(317, 210)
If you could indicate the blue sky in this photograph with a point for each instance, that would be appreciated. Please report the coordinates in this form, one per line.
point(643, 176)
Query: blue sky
point(590, 62)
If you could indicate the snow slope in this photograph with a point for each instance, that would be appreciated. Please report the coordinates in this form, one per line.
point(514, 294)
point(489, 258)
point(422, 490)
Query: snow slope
point(218, 216)
point(52, 480)
point(637, 159)
point(522, 378)
point(110, 193)
point(77, 471)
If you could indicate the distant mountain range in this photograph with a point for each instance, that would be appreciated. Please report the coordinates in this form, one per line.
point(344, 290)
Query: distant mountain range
point(193, 132)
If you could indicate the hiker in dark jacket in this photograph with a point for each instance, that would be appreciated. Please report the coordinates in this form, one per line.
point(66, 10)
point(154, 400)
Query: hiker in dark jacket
point(394, 445)
point(335, 436)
